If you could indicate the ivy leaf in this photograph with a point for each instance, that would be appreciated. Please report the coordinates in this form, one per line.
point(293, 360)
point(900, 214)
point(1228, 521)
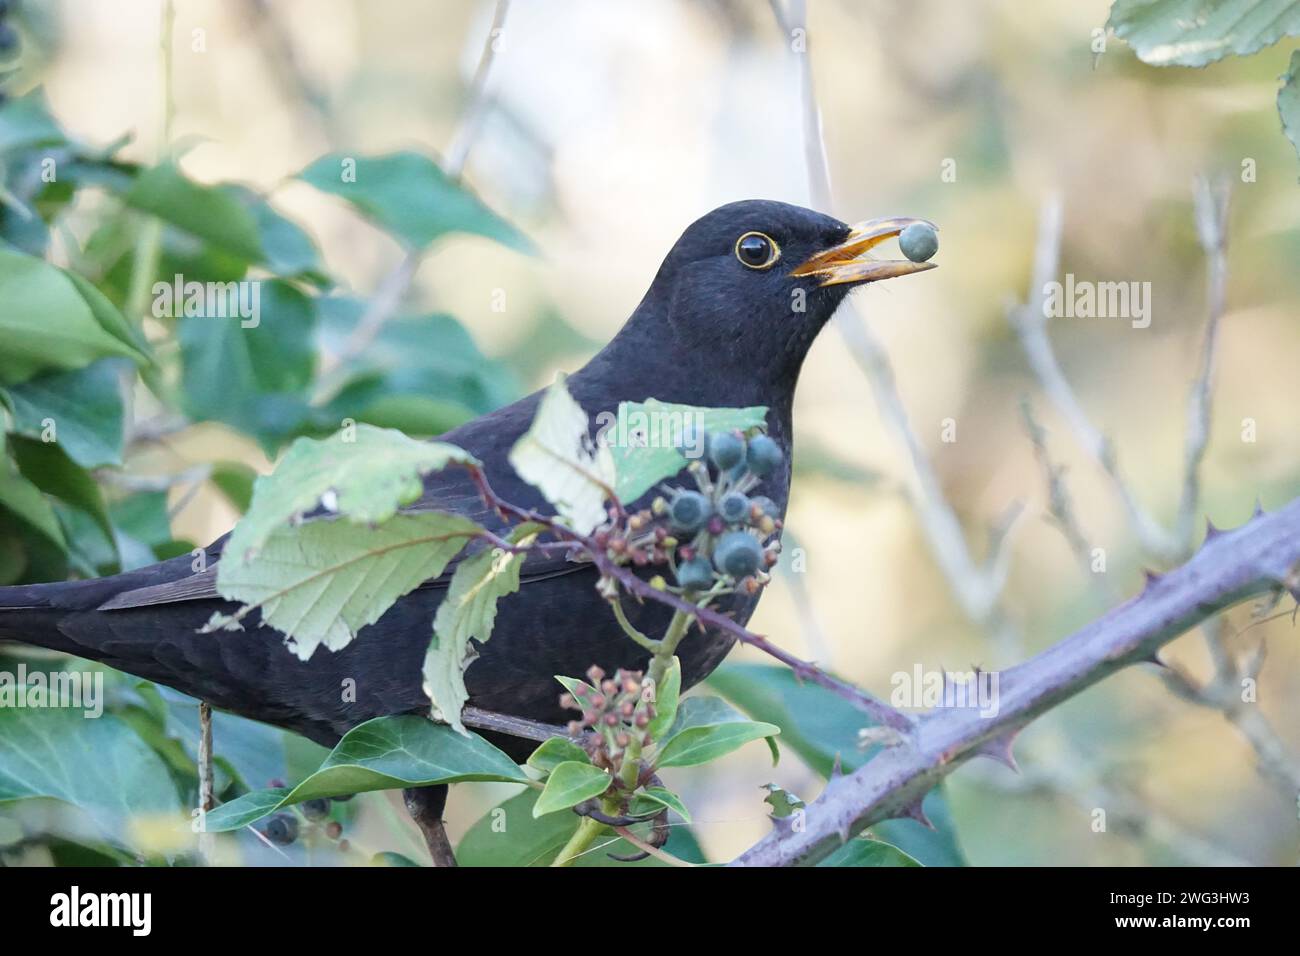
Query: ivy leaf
point(707, 728)
point(569, 784)
point(654, 440)
point(652, 799)
point(85, 407)
point(557, 457)
point(320, 582)
point(1199, 32)
point(117, 778)
point(46, 323)
point(864, 851)
point(1288, 101)
point(387, 753)
point(555, 751)
point(371, 472)
point(468, 612)
point(509, 835)
point(409, 196)
point(665, 702)
point(26, 503)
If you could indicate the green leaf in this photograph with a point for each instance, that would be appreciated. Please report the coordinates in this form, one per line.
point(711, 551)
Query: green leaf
point(52, 471)
point(783, 802)
point(1288, 101)
point(557, 457)
point(25, 501)
point(468, 612)
point(320, 582)
point(99, 765)
point(707, 728)
point(821, 727)
point(25, 122)
point(387, 753)
point(555, 751)
point(45, 322)
point(235, 480)
point(84, 408)
point(389, 858)
point(650, 440)
point(666, 699)
point(409, 196)
point(569, 784)
point(371, 472)
point(652, 798)
point(210, 213)
point(1199, 32)
point(252, 378)
point(863, 851)
point(509, 835)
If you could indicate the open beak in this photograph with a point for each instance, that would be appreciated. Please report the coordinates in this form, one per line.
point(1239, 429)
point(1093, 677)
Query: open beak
point(841, 264)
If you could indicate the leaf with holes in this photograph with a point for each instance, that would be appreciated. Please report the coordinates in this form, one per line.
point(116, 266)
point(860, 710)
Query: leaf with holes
point(322, 581)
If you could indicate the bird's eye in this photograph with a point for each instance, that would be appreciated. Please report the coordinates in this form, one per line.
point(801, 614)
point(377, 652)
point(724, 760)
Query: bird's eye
point(756, 250)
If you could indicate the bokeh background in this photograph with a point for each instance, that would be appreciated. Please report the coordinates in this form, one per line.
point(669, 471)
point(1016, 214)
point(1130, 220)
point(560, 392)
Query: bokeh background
point(610, 127)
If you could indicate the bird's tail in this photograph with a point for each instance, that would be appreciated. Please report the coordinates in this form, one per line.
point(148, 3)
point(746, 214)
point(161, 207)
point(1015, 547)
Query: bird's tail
point(31, 613)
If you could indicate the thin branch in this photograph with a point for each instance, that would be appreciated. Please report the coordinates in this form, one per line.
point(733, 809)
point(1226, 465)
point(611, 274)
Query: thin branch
point(206, 799)
point(1229, 568)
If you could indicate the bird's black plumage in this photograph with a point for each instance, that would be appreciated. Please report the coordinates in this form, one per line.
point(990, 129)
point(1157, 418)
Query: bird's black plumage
point(711, 331)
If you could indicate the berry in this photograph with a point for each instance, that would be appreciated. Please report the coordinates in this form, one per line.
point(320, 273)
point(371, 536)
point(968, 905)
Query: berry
point(765, 506)
point(738, 554)
point(333, 829)
point(765, 456)
point(8, 39)
point(317, 809)
point(918, 241)
point(726, 449)
point(689, 511)
point(734, 507)
point(282, 829)
point(695, 574)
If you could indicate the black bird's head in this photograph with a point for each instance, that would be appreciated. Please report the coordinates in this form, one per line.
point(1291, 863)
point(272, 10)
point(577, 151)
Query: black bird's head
point(748, 286)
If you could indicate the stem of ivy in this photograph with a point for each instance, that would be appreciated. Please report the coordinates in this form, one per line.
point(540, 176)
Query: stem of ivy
point(583, 837)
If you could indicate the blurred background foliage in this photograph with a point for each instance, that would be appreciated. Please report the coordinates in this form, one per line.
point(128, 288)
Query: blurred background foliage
point(606, 129)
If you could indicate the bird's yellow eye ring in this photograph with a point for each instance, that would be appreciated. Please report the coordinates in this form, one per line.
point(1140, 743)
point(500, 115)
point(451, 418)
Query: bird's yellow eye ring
point(756, 250)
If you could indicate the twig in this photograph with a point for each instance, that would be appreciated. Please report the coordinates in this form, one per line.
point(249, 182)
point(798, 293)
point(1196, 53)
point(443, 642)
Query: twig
point(206, 799)
point(1229, 568)
point(651, 849)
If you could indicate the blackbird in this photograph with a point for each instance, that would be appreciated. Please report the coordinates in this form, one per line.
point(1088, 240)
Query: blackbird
point(727, 321)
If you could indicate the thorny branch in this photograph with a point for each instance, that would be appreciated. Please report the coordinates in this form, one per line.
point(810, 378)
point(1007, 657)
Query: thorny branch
point(1230, 567)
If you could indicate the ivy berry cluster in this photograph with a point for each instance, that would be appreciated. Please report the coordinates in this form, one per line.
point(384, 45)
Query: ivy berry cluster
point(615, 710)
point(714, 535)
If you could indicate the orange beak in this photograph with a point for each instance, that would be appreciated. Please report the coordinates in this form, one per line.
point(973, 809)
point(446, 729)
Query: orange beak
point(842, 263)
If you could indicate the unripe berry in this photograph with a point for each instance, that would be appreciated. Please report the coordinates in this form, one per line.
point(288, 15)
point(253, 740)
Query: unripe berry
point(733, 507)
point(282, 829)
point(918, 241)
point(737, 554)
point(726, 449)
point(765, 456)
point(689, 511)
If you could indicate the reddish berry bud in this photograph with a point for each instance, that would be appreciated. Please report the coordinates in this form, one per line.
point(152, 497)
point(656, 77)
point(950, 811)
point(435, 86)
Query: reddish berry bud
point(333, 829)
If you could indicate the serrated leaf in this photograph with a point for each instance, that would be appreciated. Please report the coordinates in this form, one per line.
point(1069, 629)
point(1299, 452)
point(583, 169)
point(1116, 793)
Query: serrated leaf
point(555, 751)
point(386, 753)
point(569, 784)
point(45, 323)
point(468, 612)
point(654, 440)
point(409, 196)
point(666, 700)
point(558, 458)
point(322, 581)
point(863, 851)
point(1199, 32)
point(371, 476)
point(1288, 101)
point(652, 798)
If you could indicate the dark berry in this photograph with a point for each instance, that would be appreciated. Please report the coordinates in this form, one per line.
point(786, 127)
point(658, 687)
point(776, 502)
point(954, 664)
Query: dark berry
point(282, 829)
point(765, 506)
point(726, 450)
point(695, 574)
point(918, 241)
point(689, 511)
point(317, 809)
point(764, 456)
point(738, 554)
point(734, 507)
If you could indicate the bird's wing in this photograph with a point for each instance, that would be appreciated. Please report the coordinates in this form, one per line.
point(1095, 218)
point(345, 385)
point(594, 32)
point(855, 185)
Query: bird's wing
point(450, 491)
